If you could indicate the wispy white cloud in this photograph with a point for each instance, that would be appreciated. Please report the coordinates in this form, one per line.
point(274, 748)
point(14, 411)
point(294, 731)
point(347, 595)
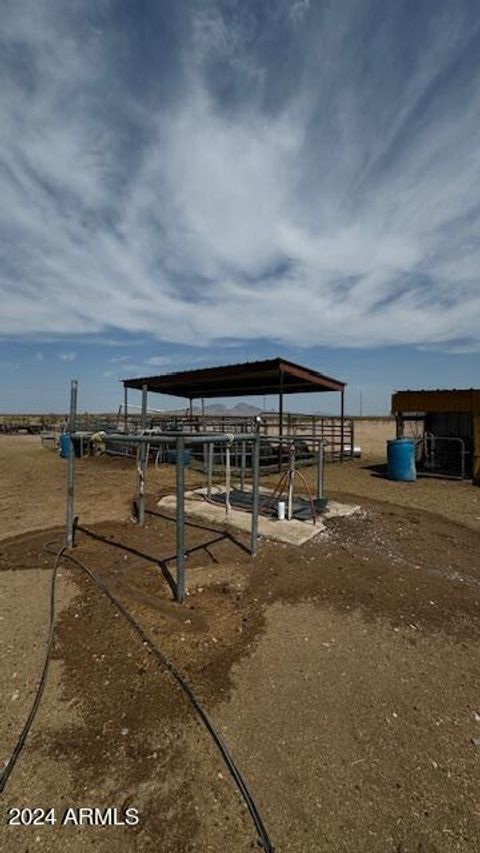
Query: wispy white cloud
point(344, 212)
point(118, 359)
point(67, 356)
point(159, 360)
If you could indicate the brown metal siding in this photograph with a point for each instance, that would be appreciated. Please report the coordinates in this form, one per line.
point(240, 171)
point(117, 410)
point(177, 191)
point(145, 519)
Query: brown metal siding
point(476, 449)
point(467, 400)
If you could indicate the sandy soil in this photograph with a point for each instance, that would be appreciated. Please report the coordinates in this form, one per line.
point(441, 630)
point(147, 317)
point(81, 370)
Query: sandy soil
point(343, 674)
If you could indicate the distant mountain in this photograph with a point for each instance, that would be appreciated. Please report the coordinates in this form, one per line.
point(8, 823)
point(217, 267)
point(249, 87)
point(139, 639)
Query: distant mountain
point(245, 409)
point(239, 409)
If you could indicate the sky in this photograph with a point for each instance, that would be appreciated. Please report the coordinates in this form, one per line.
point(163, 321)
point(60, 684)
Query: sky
point(193, 183)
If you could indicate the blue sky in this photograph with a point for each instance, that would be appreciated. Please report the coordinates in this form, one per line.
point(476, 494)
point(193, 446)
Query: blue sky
point(193, 183)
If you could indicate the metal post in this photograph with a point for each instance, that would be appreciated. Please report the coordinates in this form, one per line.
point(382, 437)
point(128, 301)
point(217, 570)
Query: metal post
point(280, 421)
point(125, 409)
point(72, 420)
point(143, 422)
point(243, 462)
point(190, 409)
point(342, 418)
point(142, 460)
point(70, 496)
point(255, 493)
point(291, 475)
point(209, 469)
point(400, 424)
point(227, 479)
point(203, 430)
point(142, 452)
point(320, 470)
point(180, 589)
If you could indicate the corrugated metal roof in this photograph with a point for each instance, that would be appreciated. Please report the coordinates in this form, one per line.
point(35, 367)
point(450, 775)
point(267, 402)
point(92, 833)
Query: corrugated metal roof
point(239, 380)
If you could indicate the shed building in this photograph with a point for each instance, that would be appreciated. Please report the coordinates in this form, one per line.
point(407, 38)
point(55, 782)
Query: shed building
point(448, 424)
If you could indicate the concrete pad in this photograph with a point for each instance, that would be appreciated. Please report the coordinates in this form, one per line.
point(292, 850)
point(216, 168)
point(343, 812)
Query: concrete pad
point(292, 532)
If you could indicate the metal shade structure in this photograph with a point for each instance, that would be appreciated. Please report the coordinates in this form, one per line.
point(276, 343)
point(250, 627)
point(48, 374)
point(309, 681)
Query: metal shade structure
point(239, 380)
point(251, 378)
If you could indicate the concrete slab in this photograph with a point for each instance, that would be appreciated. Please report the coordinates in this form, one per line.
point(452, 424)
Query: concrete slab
point(291, 532)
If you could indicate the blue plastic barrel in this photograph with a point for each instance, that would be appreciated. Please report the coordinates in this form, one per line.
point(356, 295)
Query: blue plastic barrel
point(401, 459)
point(64, 445)
point(172, 457)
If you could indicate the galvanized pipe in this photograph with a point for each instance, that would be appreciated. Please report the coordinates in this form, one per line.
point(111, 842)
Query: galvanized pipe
point(196, 438)
point(243, 462)
point(342, 424)
point(125, 408)
point(70, 497)
point(142, 458)
point(71, 466)
point(255, 494)
point(171, 437)
point(180, 460)
point(227, 479)
point(210, 448)
point(143, 418)
point(72, 419)
point(291, 474)
point(320, 471)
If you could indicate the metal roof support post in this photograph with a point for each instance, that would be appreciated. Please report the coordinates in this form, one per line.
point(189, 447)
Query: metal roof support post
point(205, 461)
point(180, 585)
point(342, 423)
point(255, 492)
point(280, 420)
point(399, 424)
point(125, 408)
point(143, 422)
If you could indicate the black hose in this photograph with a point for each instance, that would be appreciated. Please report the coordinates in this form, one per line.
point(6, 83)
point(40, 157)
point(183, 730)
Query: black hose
point(263, 838)
point(41, 685)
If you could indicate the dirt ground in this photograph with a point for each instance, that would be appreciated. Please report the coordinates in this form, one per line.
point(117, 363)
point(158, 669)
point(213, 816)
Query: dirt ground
point(343, 674)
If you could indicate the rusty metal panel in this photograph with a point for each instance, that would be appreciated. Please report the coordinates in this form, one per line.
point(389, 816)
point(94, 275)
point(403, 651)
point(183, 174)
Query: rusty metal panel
point(461, 400)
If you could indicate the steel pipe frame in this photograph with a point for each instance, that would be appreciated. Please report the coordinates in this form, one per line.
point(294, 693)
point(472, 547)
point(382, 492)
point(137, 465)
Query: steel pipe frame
point(180, 487)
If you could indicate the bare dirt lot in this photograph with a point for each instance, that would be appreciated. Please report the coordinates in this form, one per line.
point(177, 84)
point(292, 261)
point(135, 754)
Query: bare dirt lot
point(343, 674)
